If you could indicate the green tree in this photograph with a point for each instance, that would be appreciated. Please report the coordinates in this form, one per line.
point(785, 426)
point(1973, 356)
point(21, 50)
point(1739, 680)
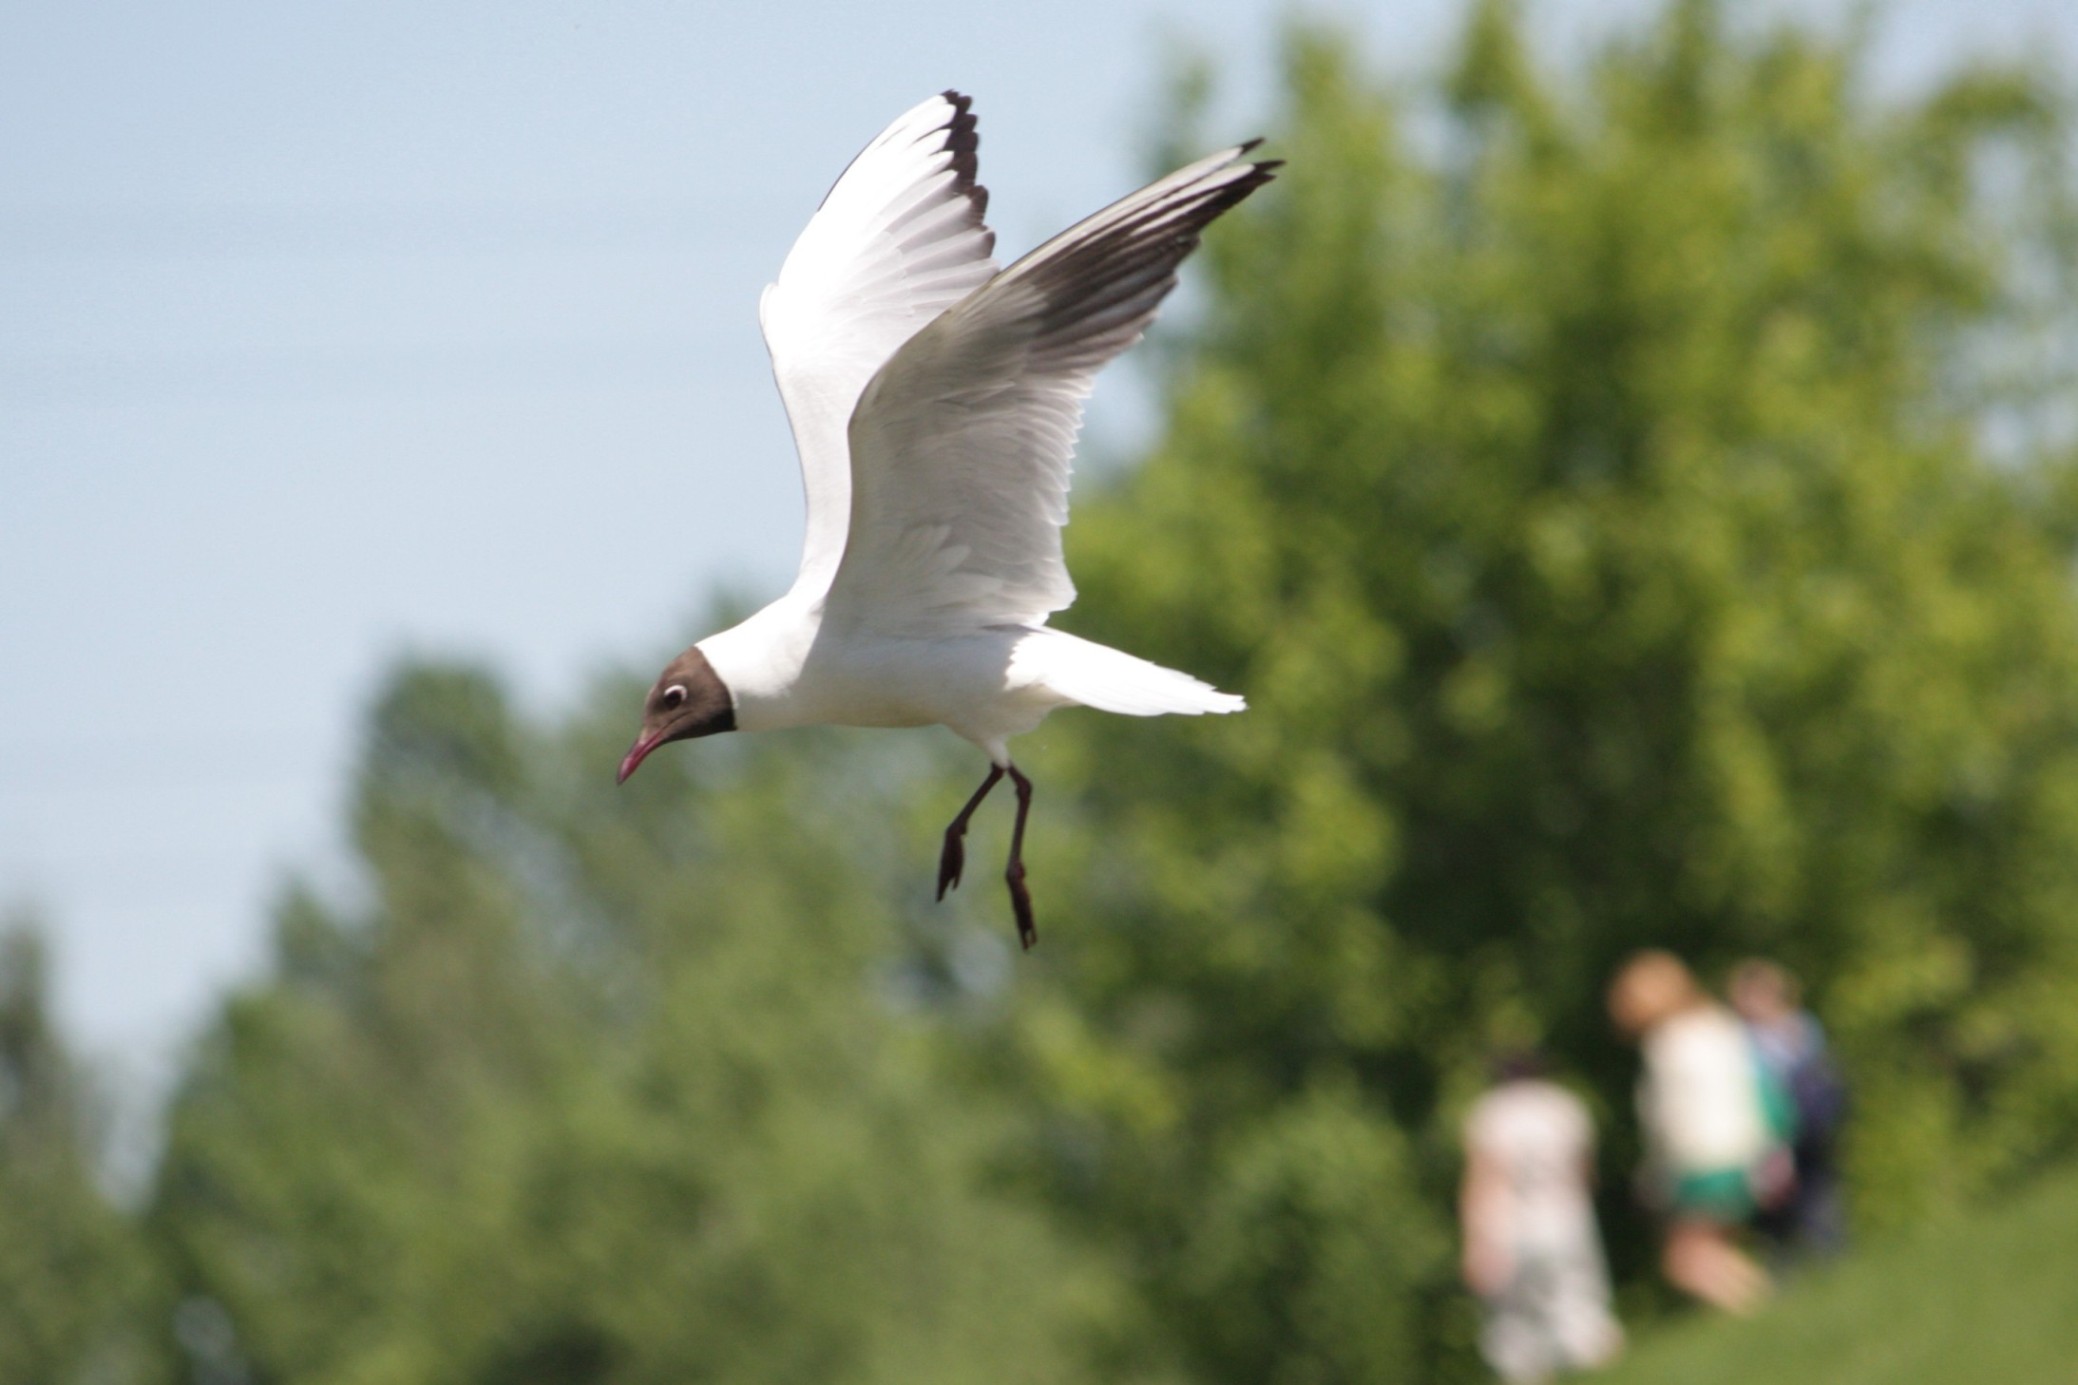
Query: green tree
point(1633, 507)
point(602, 1085)
point(72, 1271)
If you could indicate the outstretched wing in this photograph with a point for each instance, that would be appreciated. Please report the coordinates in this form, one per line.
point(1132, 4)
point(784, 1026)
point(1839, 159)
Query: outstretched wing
point(898, 240)
point(960, 446)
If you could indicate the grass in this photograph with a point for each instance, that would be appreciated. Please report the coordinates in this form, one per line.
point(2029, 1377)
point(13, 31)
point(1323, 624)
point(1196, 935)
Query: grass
point(1993, 1298)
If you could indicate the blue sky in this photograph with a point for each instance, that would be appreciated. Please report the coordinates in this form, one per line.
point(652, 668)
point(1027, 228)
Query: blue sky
point(329, 332)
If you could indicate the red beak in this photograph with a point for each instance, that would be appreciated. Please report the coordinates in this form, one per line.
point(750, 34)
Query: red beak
point(637, 753)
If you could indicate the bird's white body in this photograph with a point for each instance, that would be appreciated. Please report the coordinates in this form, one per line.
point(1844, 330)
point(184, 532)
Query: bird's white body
point(784, 669)
point(935, 406)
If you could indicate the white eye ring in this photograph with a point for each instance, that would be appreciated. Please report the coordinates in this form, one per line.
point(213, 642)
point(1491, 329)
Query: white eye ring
point(674, 697)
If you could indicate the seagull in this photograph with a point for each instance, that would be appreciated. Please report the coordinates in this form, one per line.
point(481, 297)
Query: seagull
point(935, 400)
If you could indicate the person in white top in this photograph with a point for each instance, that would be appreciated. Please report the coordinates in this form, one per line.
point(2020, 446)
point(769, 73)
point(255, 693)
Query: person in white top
point(1532, 1252)
point(1714, 1135)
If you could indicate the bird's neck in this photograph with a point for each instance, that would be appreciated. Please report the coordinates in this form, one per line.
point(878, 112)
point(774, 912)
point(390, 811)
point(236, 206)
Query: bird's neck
point(760, 662)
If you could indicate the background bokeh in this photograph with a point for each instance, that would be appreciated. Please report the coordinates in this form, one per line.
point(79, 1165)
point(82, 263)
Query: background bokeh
point(1626, 460)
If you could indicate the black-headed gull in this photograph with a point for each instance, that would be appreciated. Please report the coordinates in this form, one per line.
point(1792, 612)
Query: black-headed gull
point(935, 402)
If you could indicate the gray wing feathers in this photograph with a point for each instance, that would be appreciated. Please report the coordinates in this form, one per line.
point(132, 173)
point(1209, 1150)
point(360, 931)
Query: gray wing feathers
point(961, 446)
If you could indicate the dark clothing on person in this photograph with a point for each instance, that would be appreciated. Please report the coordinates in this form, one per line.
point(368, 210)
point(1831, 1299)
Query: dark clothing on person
point(1793, 1049)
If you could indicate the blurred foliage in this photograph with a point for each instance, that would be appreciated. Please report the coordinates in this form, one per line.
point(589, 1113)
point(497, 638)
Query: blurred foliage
point(599, 1085)
point(1639, 506)
point(73, 1275)
point(1639, 511)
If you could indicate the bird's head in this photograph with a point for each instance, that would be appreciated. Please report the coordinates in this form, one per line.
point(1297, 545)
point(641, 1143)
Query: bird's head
point(689, 700)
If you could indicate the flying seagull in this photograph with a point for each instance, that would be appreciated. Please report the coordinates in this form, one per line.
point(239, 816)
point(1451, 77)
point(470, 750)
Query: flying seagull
point(935, 401)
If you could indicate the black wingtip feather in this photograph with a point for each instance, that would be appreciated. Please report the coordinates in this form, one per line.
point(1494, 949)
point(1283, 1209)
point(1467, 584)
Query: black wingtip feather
point(1134, 259)
point(963, 142)
point(962, 135)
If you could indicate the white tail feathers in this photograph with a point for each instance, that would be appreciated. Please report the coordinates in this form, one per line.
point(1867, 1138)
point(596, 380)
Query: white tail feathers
point(1098, 676)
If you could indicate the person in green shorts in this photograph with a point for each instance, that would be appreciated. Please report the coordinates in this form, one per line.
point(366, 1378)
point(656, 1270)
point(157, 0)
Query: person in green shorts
point(1715, 1136)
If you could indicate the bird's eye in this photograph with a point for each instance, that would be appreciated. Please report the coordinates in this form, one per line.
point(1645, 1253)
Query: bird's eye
point(674, 697)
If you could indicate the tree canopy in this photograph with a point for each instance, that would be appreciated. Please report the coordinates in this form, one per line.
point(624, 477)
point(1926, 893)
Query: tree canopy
point(73, 1274)
point(1638, 512)
point(600, 1087)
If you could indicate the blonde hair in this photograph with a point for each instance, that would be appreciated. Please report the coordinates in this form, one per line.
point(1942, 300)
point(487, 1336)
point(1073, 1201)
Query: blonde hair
point(1650, 986)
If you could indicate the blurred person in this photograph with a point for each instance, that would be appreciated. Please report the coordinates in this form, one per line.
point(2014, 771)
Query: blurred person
point(1792, 1047)
point(1532, 1252)
point(1714, 1134)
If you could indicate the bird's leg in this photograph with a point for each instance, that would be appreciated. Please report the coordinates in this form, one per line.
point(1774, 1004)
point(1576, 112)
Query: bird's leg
point(1020, 897)
point(954, 857)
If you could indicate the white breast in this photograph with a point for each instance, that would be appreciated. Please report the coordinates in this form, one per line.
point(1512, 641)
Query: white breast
point(795, 672)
